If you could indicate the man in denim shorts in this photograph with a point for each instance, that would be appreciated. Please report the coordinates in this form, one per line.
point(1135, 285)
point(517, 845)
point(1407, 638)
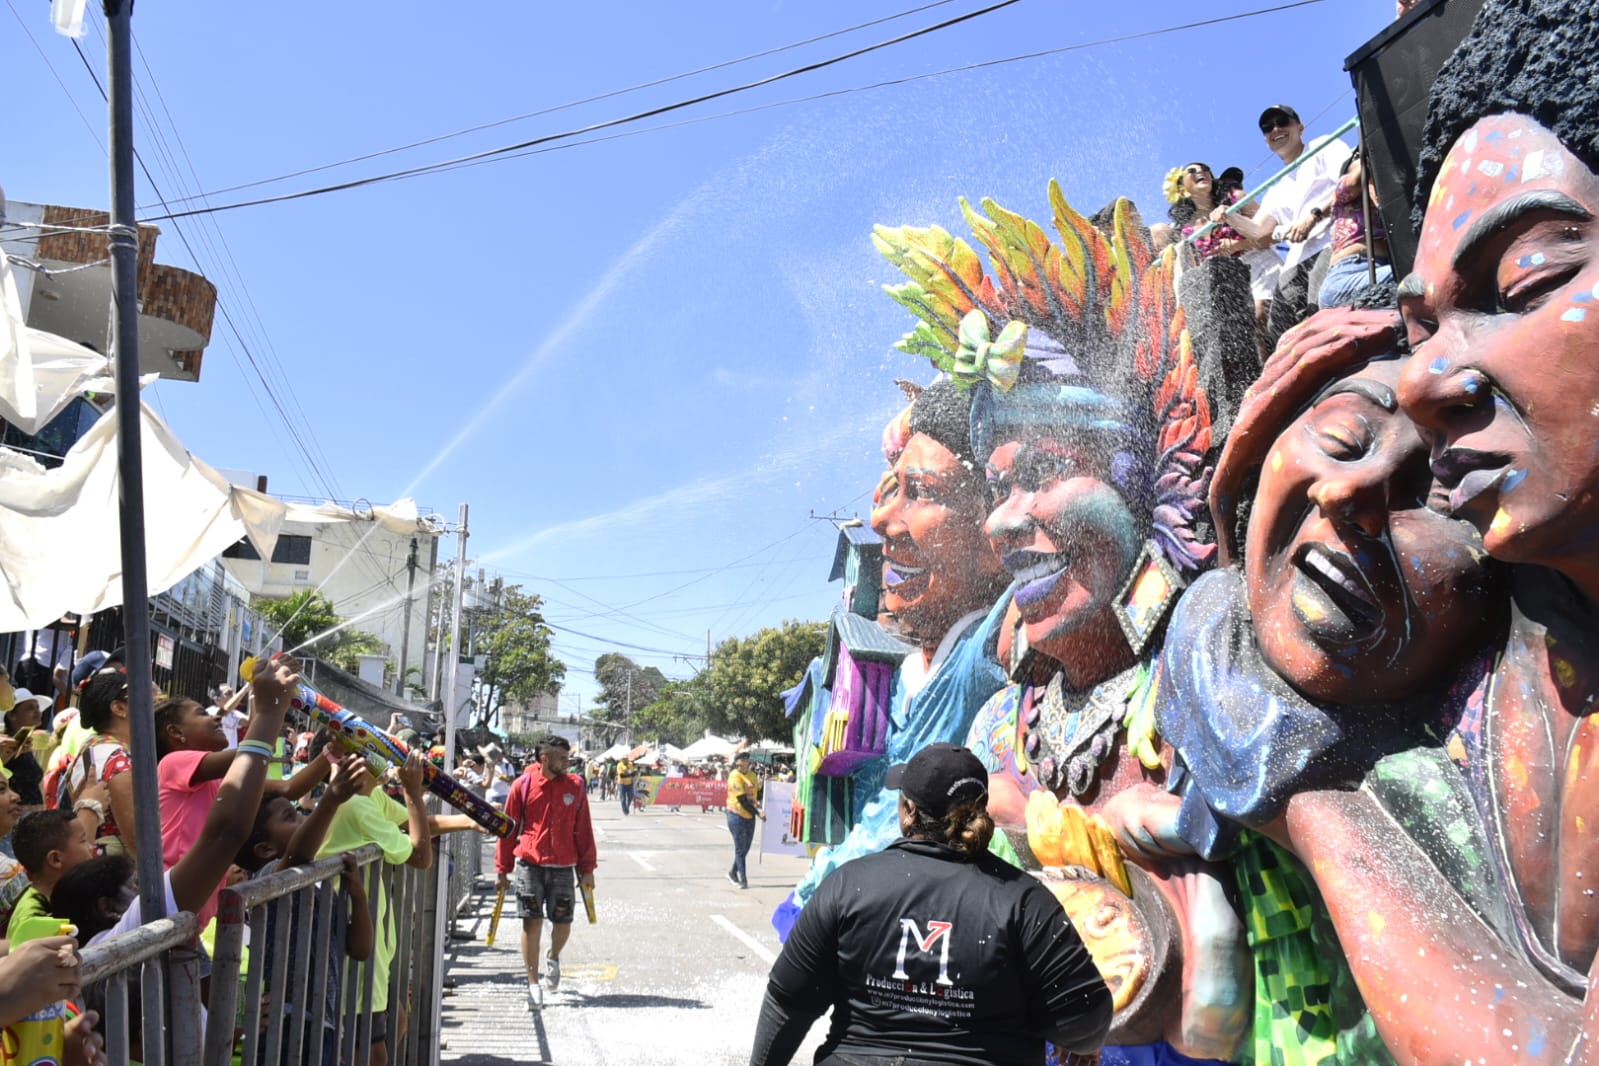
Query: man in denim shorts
point(553, 839)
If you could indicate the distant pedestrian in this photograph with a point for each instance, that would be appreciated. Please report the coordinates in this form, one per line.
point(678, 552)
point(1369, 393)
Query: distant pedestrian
point(497, 774)
point(553, 838)
point(626, 776)
point(743, 807)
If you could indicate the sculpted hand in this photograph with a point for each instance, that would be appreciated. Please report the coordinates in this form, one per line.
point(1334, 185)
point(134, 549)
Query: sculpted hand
point(1307, 357)
point(1143, 819)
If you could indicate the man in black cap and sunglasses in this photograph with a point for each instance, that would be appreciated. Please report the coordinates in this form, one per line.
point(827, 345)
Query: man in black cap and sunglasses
point(933, 950)
point(1298, 210)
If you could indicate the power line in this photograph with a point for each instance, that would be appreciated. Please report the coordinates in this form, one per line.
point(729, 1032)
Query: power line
point(222, 307)
point(540, 145)
point(611, 94)
point(231, 266)
point(608, 124)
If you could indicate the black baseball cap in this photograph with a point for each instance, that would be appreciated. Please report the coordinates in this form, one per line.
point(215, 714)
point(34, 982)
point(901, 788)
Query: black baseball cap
point(940, 776)
point(1278, 109)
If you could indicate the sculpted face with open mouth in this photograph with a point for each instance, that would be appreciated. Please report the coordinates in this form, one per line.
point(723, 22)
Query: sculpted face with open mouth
point(936, 565)
point(1360, 593)
point(1068, 539)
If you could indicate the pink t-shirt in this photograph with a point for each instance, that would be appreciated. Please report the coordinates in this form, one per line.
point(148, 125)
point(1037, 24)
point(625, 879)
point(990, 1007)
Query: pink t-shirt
point(184, 805)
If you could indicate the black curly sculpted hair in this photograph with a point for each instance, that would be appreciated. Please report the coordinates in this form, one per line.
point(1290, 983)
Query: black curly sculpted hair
point(1538, 58)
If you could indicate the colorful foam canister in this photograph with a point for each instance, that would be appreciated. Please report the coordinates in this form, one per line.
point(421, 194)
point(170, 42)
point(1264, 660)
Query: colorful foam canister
point(367, 740)
point(588, 903)
point(38, 1039)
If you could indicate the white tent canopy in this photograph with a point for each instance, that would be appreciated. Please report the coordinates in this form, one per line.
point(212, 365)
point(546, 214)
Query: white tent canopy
point(615, 751)
point(707, 746)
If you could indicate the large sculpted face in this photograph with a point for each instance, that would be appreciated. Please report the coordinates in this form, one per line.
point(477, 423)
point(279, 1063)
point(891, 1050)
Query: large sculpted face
point(1065, 534)
point(936, 565)
point(1503, 308)
point(1359, 592)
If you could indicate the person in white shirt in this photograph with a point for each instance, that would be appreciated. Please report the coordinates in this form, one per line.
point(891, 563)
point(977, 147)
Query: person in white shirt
point(227, 710)
point(46, 665)
point(1298, 209)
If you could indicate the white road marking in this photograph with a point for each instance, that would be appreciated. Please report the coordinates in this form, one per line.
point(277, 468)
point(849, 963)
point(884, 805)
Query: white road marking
point(642, 861)
point(749, 941)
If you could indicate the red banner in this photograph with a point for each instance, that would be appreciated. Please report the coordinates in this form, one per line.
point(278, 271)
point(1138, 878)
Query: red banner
point(690, 792)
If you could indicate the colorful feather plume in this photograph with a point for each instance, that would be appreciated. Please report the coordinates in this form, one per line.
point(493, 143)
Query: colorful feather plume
point(1105, 300)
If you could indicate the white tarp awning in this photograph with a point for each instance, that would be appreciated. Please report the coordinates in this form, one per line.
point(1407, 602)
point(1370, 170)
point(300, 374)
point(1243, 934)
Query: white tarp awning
point(60, 542)
point(40, 372)
point(60, 547)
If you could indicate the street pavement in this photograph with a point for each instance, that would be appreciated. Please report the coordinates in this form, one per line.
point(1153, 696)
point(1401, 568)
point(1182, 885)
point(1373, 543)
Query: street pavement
point(672, 973)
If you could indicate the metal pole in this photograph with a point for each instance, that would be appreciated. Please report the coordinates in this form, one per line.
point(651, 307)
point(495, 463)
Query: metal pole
point(123, 240)
point(434, 1019)
point(405, 628)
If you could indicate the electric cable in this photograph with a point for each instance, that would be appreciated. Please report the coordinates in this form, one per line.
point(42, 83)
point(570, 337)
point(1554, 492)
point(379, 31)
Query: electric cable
point(663, 109)
point(227, 317)
point(516, 150)
point(611, 94)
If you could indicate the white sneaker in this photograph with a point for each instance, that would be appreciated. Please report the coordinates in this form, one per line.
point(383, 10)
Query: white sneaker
point(552, 972)
point(535, 995)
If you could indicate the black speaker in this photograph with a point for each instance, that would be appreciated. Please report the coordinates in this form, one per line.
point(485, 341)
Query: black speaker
point(1393, 72)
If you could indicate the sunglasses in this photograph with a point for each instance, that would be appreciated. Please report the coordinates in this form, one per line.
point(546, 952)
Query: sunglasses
point(1197, 172)
point(1280, 123)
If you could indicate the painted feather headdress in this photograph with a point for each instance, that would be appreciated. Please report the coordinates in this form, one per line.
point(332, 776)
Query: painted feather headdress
point(1083, 333)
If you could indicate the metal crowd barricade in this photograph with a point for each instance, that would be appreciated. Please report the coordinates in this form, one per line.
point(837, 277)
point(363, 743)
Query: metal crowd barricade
point(288, 999)
point(464, 853)
point(108, 967)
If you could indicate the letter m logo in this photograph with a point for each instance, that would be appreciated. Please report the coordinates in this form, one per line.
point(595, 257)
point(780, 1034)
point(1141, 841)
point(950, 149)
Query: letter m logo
point(937, 933)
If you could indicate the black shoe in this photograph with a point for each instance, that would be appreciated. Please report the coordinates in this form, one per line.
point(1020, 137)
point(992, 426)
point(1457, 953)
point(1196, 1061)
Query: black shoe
point(743, 884)
point(732, 878)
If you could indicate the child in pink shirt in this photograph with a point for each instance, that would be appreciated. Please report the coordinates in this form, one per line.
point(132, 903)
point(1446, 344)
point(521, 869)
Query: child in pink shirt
point(194, 756)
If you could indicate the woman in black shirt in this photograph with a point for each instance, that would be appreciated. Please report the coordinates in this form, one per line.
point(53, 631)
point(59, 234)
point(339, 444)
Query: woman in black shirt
point(933, 950)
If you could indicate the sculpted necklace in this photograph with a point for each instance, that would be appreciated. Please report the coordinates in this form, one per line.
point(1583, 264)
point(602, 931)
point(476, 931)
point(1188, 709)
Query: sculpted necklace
point(1069, 735)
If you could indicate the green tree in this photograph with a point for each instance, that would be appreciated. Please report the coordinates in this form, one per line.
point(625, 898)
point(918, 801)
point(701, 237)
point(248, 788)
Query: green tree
point(626, 688)
point(521, 663)
point(743, 684)
point(310, 625)
point(677, 715)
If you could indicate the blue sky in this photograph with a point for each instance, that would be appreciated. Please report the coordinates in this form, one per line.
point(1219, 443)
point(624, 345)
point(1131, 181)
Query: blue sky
point(645, 361)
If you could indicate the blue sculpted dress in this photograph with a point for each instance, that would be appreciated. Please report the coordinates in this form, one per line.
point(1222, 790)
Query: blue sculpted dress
point(930, 706)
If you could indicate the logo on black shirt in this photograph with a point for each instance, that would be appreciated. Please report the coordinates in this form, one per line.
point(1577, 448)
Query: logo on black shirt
point(937, 933)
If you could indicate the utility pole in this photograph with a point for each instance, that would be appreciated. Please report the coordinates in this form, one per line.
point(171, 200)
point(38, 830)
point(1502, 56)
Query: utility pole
point(405, 629)
point(628, 713)
point(438, 640)
point(430, 1025)
point(123, 242)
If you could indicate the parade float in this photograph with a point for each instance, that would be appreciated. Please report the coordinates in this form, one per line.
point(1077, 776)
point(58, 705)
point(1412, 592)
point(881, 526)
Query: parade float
point(1294, 709)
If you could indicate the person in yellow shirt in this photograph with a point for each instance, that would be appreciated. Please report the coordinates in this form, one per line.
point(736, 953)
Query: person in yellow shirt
point(626, 775)
point(743, 807)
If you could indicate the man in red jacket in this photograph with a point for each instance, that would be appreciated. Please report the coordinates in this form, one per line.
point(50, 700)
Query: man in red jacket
point(553, 837)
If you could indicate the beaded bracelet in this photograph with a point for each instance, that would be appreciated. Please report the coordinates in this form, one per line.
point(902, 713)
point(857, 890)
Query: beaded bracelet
point(255, 747)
